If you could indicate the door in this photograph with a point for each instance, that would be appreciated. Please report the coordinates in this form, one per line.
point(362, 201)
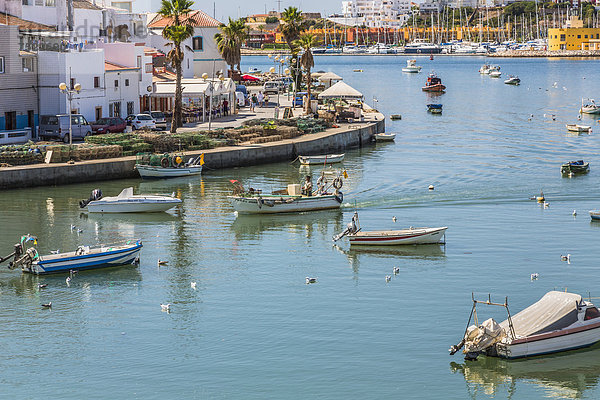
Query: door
point(98, 113)
point(10, 120)
point(76, 126)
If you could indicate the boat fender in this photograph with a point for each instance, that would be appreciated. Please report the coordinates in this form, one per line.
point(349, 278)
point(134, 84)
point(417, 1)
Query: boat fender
point(269, 203)
point(338, 183)
point(339, 196)
point(259, 201)
point(164, 162)
point(177, 161)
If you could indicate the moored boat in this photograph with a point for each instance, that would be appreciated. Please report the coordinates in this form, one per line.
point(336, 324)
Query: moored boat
point(595, 215)
point(433, 84)
point(385, 137)
point(495, 74)
point(85, 257)
point(575, 167)
point(513, 80)
point(579, 128)
point(168, 166)
point(434, 108)
point(127, 202)
point(411, 67)
point(589, 107)
point(321, 159)
point(559, 321)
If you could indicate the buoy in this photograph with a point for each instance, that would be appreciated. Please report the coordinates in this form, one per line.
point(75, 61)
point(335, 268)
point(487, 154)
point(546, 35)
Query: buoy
point(431, 187)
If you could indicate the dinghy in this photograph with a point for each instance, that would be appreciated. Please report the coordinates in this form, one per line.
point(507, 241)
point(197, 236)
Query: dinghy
point(411, 67)
point(385, 137)
point(579, 128)
point(168, 166)
point(589, 107)
point(323, 159)
point(575, 167)
point(127, 202)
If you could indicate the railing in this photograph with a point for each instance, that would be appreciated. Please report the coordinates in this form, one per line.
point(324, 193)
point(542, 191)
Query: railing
point(16, 136)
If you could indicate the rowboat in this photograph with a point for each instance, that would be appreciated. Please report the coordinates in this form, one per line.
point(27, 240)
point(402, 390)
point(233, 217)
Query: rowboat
point(167, 166)
point(395, 117)
point(513, 80)
point(575, 167)
point(411, 67)
point(595, 215)
point(589, 107)
point(127, 202)
point(322, 159)
point(434, 108)
point(385, 137)
point(559, 321)
point(433, 84)
point(579, 128)
point(84, 257)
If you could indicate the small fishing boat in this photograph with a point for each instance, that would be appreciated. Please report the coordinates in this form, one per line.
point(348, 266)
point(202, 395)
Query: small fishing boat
point(495, 74)
point(292, 199)
point(579, 128)
point(559, 321)
point(85, 257)
point(575, 167)
point(127, 202)
point(390, 238)
point(513, 80)
point(254, 70)
point(168, 166)
point(357, 70)
point(589, 106)
point(385, 137)
point(411, 67)
point(595, 215)
point(434, 108)
point(433, 84)
point(395, 117)
point(322, 159)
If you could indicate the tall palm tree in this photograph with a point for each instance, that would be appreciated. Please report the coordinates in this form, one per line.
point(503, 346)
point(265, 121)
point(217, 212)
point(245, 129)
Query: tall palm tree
point(229, 42)
point(241, 32)
point(306, 42)
point(291, 26)
point(177, 32)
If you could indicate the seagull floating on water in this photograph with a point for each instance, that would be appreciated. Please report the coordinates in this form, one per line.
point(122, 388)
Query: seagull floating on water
point(574, 213)
point(42, 285)
point(388, 278)
point(396, 270)
point(193, 285)
point(535, 276)
point(49, 305)
point(546, 204)
point(54, 251)
point(566, 258)
point(68, 280)
point(165, 307)
point(310, 280)
point(79, 231)
point(73, 227)
point(394, 218)
point(162, 262)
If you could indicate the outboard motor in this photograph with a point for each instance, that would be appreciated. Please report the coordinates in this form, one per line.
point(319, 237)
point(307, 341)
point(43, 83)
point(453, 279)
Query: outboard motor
point(96, 195)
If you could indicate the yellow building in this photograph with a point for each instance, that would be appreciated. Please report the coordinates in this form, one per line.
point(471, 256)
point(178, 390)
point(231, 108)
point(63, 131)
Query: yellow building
point(573, 36)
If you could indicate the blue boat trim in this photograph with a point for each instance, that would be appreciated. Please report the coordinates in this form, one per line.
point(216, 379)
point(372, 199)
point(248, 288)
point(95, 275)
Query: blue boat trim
point(83, 268)
point(77, 265)
point(90, 255)
point(554, 351)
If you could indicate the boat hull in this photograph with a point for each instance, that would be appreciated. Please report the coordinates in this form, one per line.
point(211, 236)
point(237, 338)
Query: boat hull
point(590, 110)
point(595, 215)
point(576, 169)
point(284, 204)
point(385, 137)
point(328, 159)
point(411, 70)
point(133, 206)
point(434, 88)
point(395, 238)
point(56, 263)
point(148, 171)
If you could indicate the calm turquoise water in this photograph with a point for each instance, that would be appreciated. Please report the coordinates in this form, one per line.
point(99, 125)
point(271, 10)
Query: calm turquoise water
point(254, 330)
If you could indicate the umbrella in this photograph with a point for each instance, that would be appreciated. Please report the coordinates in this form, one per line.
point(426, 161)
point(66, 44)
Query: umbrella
point(252, 78)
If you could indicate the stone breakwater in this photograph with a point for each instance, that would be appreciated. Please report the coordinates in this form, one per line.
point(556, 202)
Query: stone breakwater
point(547, 53)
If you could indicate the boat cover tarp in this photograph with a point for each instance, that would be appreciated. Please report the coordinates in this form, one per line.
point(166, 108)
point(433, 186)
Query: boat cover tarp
point(556, 310)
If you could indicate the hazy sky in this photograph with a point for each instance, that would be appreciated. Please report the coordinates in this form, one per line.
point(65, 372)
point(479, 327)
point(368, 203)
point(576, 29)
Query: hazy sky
point(235, 8)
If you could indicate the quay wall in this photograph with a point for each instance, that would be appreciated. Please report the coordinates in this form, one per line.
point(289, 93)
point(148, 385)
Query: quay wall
point(334, 139)
point(547, 53)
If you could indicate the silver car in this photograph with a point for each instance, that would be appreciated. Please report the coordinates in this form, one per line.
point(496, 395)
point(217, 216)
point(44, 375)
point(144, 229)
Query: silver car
point(159, 119)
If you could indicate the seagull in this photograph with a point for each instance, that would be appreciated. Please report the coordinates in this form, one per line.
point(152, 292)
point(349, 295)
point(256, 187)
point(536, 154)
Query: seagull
point(574, 213)
point(193, 285)
point(394, 218)
point(68, 280)
point(546, 204)
point(388, 278)
point(79, 231)
point(555, 85)
point(564, 88)
point(431, 187)
point(310, 280)
point(165, 307)
point(72, 273)
point(54, 251)
point(566, 258)
point(396, 270)
point(73, 227)
point(535, 276)
point(162, 262)
point(49, 305)
point(42, 285)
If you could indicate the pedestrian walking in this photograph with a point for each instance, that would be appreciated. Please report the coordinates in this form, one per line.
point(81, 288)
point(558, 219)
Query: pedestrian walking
point(261, 99)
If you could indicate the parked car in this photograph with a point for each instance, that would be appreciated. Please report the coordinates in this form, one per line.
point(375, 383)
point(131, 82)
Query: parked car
point(273, 87)
point(109, 125)
point(141, 121)
point(57, 127)
point(159, 118)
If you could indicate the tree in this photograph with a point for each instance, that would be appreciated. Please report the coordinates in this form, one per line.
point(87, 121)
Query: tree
point(229, 42)
point(306, 42)
point(291, 26)
point(177, 31)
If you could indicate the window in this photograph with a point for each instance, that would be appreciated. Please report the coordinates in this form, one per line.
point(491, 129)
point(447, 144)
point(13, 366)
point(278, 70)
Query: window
point(563, 37)
point(96, 81)
point(27, 64)
point(116, 109)
point(586, 36)
point(149, 68)
point(116, 83)
point(39, 2)
point(578, 36)
point(50, 3)
point(72, 83)
point(10, 120)
point(129, 107)
point(1, 65)
point(197, 44)
point(139, 65)
point(126, 82)
point(591, 313)
point(25, 2)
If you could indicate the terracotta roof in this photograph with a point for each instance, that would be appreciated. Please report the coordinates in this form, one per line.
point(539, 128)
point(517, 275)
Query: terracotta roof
point(196, 18)
point(24, 25)
point(162, 75)
point(85, 5)
point(109, 66)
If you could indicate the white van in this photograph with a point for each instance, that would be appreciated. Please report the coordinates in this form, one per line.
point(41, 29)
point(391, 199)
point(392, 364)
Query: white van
point(273, 87)
point(57, 127)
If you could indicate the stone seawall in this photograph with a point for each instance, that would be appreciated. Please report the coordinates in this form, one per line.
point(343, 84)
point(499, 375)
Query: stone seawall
point(547, 53)
point(332, 140)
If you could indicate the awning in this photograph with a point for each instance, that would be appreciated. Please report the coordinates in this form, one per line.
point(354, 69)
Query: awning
point(329, 76)
point(194, 88)
point(251, 78)
point(341, 90)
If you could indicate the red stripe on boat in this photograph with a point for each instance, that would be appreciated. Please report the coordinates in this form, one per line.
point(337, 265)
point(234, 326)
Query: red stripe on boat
point(551, 335)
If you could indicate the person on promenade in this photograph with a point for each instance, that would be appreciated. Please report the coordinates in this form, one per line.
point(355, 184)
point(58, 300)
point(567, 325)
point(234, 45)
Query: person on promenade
point(225, 108)
point(253, 101)
point(261, 99)
point(266, 100)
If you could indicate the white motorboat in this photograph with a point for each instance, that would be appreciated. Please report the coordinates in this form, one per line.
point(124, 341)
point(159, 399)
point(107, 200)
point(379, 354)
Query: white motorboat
point(322, 159)
point(495, 74)
point(589, 107)
point(390, 238)
point(579, 128)
point(411, 67)
point(127, 202)
point(513, 80)
point(254, 70)
point(485, 69)
point(385, 137)
point(559, 321)
point(420, 46)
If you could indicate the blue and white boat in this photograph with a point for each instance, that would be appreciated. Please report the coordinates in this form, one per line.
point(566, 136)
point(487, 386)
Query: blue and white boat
point(434, 108)
point(85, 257)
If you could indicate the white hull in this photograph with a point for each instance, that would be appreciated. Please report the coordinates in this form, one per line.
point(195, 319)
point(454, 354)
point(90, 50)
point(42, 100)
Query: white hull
point(394, 238)
point(411, 70)
point(579, 128)
point(553, 342)
point(131, 206)
point(325, 159)
point(590, 110)
point(283, 204)
point(147, 171)
point(385, 137)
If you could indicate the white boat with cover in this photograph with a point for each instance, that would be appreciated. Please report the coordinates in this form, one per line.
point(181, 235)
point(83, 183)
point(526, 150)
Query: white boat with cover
point(127, 202)
point(411, 67)
point(559, 321)
point(322, 159)
point(588, 106)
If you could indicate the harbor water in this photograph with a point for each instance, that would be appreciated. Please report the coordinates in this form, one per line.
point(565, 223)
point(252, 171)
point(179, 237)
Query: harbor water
point(252, 328)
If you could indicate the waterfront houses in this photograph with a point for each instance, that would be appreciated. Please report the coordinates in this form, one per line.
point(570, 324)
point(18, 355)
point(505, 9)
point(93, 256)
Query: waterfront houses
point(573, 36)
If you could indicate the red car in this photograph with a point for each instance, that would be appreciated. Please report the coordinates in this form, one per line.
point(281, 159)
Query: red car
point(109, 125)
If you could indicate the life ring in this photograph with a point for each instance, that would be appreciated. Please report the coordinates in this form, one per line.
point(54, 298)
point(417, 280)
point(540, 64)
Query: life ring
point(177, 161)
point(339, 196)
point(338, 183)
point(164, 162)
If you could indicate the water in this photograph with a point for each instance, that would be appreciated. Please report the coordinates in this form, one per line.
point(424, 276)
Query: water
point(253, 329)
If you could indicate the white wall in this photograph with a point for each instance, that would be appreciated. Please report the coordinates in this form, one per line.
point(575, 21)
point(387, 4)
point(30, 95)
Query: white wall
point(87, 23)
point(122, 92)
point(54, 16)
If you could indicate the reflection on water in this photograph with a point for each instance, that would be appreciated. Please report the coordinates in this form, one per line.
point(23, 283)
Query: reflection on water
point(565, 376)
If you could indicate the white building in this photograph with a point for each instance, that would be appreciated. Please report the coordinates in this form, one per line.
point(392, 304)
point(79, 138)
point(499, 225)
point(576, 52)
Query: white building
point(204, 56)
point(377, 13)
point(437, 5)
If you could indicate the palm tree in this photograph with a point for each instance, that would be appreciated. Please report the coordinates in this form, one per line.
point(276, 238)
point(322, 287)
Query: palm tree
point(306, 42)
point(291, 27)
point(241, 32)
point(229, 42)
point(177, 32)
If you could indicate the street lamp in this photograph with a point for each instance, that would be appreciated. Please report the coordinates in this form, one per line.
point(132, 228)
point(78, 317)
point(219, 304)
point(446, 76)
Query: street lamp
point(69, 93)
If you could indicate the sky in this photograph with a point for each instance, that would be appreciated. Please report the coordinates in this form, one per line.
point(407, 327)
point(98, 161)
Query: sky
point(241, 8)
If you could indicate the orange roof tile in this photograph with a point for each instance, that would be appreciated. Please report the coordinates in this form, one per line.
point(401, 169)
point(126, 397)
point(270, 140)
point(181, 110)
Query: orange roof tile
point(110, 66)
point(196, 18)
point(24, 25)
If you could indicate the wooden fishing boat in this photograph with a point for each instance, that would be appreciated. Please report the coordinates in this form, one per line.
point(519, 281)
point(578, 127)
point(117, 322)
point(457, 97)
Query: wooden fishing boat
point(322, 159)
point(127, 202)
point(589, 107)
point(513, 80)
point(579, 128)
point(85, 257)
point(433, 84)
point(559, 321)
point(167, 166)
point(575, 167)
point(434, 108)
point(385, 137)
point(595, 215)
point(395, 117)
